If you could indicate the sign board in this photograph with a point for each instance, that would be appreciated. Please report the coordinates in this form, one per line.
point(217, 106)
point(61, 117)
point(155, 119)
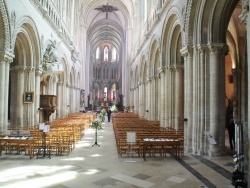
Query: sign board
point(210, 137)
point(131, 137)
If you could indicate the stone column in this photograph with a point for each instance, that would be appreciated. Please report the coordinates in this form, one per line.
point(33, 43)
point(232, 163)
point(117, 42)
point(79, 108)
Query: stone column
point(217, 98)
point(73, 100)
point(162, 97)
point(131, 96)
point(171, 96)
point(77, 109)
point(20, 93)
point(158, 98)
point(179, 97)
point(68, 98)
point(13, 99)
point(59, 99)
point(187, 52)
point(195, 107)
point(140, 99)
point(8, 60)
point(152, 101)
point(38, 74)
point(29, 86)
point(149, 99)
point(5, 60)
point(55, 81)
point(166, 121)
point(168, 96)
point(143, 101)
point(136, 100)
point(203, 100)
point(64, 100)
point(236, 109)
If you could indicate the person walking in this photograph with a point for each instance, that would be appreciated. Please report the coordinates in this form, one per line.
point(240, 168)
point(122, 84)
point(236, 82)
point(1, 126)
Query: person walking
point(109, 114)
point(231, 133)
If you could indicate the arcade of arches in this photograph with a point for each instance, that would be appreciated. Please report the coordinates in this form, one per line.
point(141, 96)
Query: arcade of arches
point(173, 60)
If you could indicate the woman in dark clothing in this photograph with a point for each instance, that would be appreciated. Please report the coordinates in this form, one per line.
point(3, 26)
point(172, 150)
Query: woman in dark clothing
point(231, 132)
point(109, 114)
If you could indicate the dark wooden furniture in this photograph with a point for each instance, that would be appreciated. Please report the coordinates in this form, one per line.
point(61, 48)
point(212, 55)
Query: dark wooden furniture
point(29, 143)
point(48, 105)
point(165, 144)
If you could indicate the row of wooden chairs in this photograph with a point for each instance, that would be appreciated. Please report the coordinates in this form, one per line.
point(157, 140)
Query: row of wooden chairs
point(61, 139)
point(122, 123)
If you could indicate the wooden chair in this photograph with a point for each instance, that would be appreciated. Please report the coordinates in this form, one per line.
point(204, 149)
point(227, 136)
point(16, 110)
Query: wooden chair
point(64, 145)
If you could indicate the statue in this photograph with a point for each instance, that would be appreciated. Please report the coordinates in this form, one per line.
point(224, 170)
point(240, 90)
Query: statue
point(50, 59)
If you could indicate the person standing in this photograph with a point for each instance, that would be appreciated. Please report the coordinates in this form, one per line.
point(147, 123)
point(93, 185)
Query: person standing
point(109, 114)
point(231, 133)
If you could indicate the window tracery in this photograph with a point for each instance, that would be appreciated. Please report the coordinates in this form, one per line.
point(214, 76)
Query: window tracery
point(106, 54)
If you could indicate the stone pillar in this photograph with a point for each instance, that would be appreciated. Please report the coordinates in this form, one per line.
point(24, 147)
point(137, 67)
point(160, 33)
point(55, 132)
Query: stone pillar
point(203, 99)
point(217, 98)
point(67, 98)
point(187, 52)
point(153, 104)
point(8, 60)
point(168, 96)
point(179, 97)
point(29, 86)
point(162, 97)
point(158, 98)
point(131, 96)
point(166, 123)
point(143, 101)
point(59, 99)
point(135, 99)
point(195, 107)
point(149, 99)
point(38, 74)
point(237, 117)
point(171, 96)
point(64, 105)
point(20, 93)
point(140, 99)
point(77, 109)
point(5, 60)
point(13, 99)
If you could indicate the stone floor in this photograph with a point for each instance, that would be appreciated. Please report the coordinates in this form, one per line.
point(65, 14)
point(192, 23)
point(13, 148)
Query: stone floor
point(95, 167)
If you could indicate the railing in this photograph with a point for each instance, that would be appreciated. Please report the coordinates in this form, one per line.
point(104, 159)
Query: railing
point(49, 11)
point(156, 9)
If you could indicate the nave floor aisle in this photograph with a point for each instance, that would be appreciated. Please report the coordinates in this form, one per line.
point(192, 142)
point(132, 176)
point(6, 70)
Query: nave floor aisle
point(96, 167)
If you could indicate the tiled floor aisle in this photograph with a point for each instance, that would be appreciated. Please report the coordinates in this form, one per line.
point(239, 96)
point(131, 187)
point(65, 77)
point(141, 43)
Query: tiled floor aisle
point(95, 167)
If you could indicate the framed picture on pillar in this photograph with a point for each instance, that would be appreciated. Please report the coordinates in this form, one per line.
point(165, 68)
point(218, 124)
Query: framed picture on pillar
point(28, 97)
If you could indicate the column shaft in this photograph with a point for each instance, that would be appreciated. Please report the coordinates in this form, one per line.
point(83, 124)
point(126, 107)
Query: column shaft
point(217, 98)
point(162, 98)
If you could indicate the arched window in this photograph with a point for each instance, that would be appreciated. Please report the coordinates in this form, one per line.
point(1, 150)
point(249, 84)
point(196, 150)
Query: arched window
point(105, 93)
point(97, 53)
point(114, 54)
point(106, 54)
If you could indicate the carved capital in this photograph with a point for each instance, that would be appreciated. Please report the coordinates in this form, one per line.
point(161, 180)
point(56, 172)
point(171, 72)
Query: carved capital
point(68, 84)
point(202, 48)
point(186, 51)
point(171, 68)
point(29, 69)
point(38, 72)
point(178, 68)
point(19, 69)
point(162, 70)
point(148, 79)
point(216, 48)
point(6, 57)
